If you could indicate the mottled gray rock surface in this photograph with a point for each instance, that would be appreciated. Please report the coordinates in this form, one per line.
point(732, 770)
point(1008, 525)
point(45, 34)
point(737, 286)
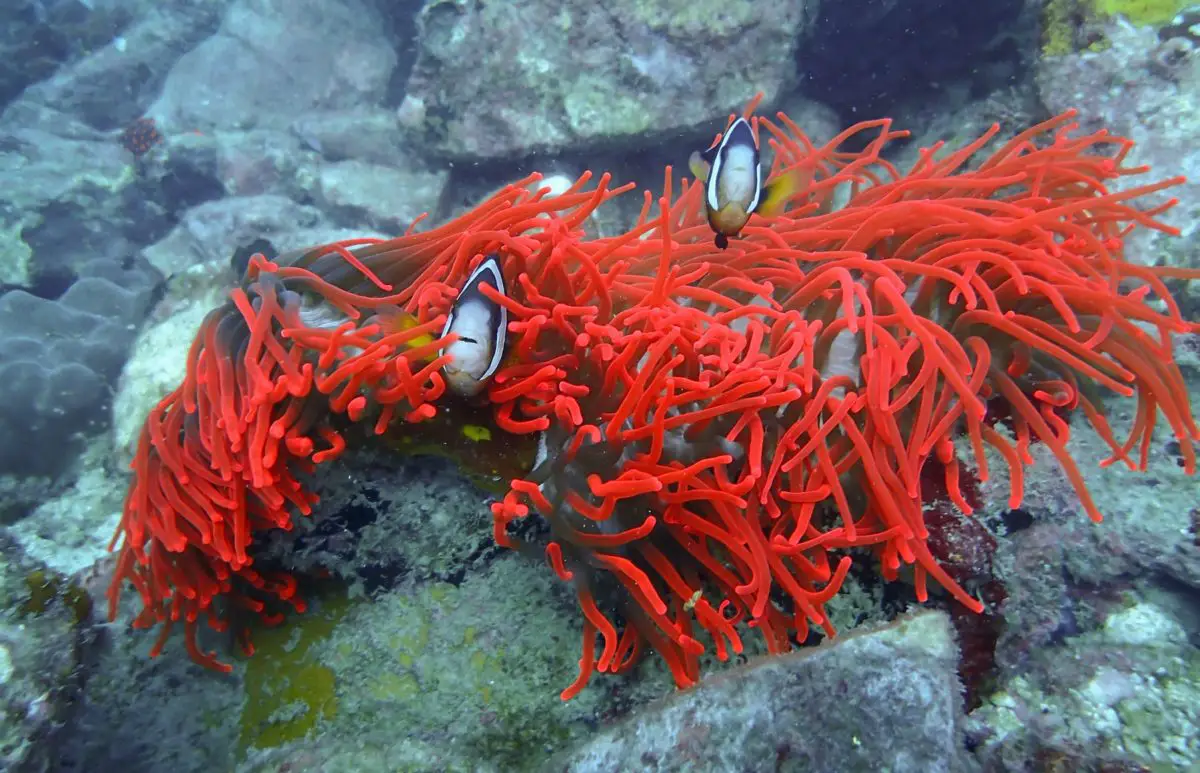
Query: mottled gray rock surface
point(1123, 697)
point(43, 623)
point(367, 134)
point(1062, 570)
point(61, 200)
point(213, 231)
point(39, 36)
point(1142, 87)
point(497, 79)
point(882, 700)
point(383, 198)
point(121, 75)
point(271, 59)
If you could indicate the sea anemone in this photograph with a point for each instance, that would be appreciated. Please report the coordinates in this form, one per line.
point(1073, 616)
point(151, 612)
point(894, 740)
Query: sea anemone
point(716, 429)
point(305, 345)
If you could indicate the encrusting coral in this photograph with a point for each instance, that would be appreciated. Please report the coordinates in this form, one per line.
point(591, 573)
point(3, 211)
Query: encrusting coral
point(716, 428)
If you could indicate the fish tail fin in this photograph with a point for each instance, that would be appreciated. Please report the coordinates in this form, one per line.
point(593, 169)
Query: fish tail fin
point(394, 320)
point(776, 193)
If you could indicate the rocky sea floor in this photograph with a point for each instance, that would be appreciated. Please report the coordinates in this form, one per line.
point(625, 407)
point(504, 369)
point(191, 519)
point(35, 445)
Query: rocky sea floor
point(427, 648)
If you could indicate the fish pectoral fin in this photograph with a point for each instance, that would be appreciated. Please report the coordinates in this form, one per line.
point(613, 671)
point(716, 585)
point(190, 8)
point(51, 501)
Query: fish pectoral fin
point(776, 193)
point(699, 167)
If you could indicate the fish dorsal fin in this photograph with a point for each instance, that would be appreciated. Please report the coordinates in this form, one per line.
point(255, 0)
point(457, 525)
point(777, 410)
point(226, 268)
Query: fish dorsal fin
point(701, 161)
point(740, 133)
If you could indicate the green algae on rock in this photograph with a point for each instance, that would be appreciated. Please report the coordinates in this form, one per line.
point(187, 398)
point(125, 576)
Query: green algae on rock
point(288, 690)
point(43, 629)
point(437, 676)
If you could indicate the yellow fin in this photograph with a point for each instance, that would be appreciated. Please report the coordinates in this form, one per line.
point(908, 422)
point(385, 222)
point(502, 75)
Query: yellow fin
point(776, 193)
point(477, 432)
point(395, 320)
point(408, 322)
point(699, 167)
point(420, 340)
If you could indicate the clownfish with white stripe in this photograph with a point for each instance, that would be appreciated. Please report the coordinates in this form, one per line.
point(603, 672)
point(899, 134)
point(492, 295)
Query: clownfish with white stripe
point(481, 325)
point(732, 175)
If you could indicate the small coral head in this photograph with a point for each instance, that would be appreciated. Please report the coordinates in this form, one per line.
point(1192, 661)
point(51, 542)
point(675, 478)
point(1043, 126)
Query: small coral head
point(141, 136)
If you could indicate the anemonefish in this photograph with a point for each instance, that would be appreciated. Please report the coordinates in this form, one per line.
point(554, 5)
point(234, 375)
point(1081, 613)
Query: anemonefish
point(731, 172)
point(482, 328)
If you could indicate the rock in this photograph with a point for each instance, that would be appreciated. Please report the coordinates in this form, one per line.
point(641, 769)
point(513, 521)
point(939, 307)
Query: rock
point(1062, 558)
point(139, 714)
point(366, 134)
point(38, 36)
point(512, 79)
point(158, 357)
point(245, 163)
point(471, 675)
point(114, 83)
point(1146, 89)
point(961, 121)
point(59, 204)
point(398, 516)
point(43, 625)
point(1123, 697)
point(71, 527)
point(70, 194)
point(282, 57)
point(211, 232)
point(888, 699)
point(380, 197)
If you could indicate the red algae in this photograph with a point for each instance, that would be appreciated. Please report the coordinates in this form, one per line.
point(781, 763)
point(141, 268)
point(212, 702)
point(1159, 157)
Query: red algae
point(718, 428)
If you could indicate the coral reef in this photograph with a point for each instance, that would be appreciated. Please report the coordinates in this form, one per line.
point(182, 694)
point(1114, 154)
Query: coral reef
point(38, 36)
point(493, 80)
point(721, 432)
point(1146, 86)
point(1142, 13)
point(59, 358)
point(1125, 694)
point(757, 716)
point(1069, 25)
